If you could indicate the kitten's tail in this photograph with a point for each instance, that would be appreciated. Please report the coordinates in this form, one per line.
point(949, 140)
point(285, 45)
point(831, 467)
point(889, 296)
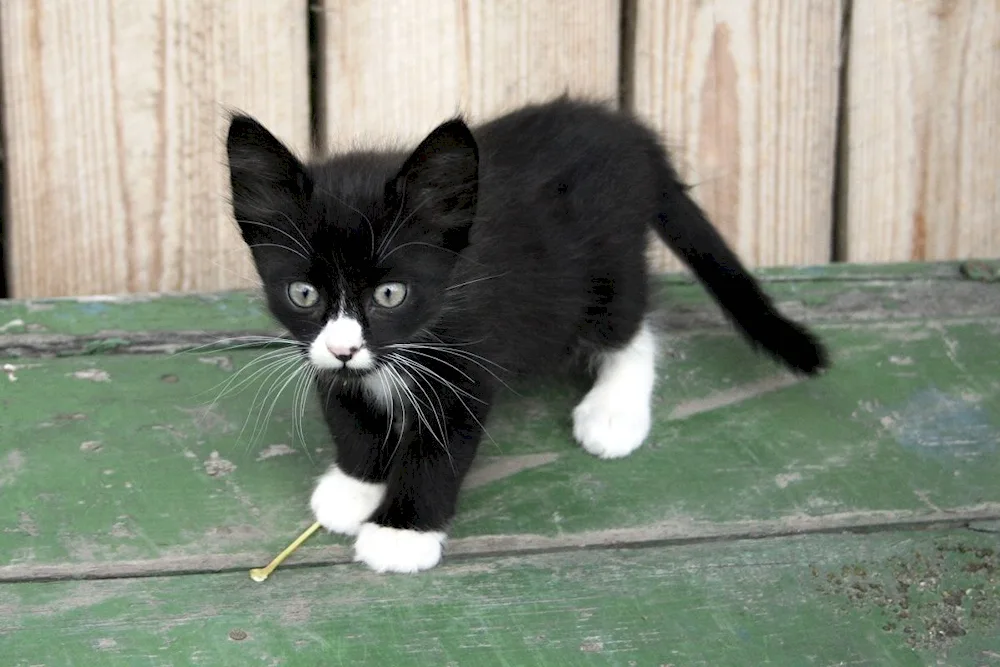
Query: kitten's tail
point(685, 228)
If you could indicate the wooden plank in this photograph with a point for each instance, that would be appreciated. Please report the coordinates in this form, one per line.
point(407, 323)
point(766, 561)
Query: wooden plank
point(902, 599)
point(902, 430)
point(396, 68)
point(832, 294)
point(923, 99)
point(745, 94)
point(114, 113)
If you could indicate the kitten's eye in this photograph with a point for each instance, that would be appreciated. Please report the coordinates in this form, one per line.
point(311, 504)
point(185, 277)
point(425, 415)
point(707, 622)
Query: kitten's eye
point(389, 295)
point(303, 295)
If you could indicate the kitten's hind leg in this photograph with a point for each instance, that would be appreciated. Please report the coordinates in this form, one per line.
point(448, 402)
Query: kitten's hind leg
point(613, 419)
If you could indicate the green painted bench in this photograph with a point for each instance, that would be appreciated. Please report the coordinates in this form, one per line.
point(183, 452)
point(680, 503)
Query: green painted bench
point(853, 519)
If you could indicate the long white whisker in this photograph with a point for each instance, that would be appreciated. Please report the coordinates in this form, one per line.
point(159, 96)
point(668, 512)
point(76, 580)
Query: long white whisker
point(393, 228)
point(278, 245)
point(437, 376)
point(479, 360)
point(248, 342)
point(397, 381)
point(476, 280)
point(275, 356)
point(442, 436)
point(282, 372)
point(380, 374)
point(274, 401)
point(299, 400)
point(409, 243)
point(438, 415)
point(303, 245)
point(458, 391)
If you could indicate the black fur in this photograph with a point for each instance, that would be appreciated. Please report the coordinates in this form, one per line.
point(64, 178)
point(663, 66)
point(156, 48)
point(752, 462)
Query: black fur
point(521, 241)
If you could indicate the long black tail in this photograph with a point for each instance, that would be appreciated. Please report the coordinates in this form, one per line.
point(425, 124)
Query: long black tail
point(685, 228)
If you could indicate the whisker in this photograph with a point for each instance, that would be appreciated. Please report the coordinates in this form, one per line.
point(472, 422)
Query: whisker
point(385, 389)
point(397, 381)
point(441, 437)
point(262, 425)
point(281, 372)
point(273, 357)
point(472, 357)
point(278, 245)
point(476, 280)
point(249, 342)
point(299, 400)
point(306, 248)
point(365, 218)
point(458, 391)
point(268, 212)
point(413, 363)
point(393, 228)
point(452, 366)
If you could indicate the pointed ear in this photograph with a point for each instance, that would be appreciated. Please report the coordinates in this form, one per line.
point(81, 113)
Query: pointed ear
point(438, 185)
point(269, 183)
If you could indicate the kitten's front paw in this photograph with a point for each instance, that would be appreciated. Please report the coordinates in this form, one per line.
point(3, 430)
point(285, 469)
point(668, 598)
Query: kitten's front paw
point(342, 503)
point(386, 549)
point(611, 424)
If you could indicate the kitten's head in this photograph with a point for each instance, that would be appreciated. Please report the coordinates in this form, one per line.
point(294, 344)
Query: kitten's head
point(354, 254)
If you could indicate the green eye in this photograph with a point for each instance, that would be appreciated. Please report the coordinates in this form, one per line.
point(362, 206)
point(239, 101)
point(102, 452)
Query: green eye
point(389, 295)
point(303, 294)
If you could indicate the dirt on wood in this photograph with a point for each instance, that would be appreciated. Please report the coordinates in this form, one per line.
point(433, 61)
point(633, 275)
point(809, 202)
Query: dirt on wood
point(930, 599)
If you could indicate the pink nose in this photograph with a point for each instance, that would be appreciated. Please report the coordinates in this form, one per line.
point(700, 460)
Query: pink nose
point(343, 353)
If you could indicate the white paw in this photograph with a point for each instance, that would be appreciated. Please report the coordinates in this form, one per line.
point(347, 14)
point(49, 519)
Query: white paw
point(342, 503)
point(396, 550)
point(611, 424)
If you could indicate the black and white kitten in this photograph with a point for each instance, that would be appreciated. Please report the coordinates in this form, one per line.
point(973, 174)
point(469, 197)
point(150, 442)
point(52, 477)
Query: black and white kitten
point(418, 284)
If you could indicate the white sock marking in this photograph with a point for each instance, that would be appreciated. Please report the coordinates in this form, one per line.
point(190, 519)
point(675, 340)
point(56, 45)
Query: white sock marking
point(342, 503)
point(397, 550)
point(613, 419)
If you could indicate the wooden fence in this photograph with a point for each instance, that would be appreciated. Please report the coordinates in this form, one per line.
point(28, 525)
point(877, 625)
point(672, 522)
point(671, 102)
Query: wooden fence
point(814, 130)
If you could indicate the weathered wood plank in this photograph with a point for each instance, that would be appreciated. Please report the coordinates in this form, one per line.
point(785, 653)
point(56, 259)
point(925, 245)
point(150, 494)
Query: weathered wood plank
point(396, 68)
point(923, 99)
point(122, 459)
point(830, 294)
point(114, 113)
point(745, 94)
point(895, 600)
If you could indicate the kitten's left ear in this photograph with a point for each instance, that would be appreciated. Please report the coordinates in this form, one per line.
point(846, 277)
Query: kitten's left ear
point(438, 185)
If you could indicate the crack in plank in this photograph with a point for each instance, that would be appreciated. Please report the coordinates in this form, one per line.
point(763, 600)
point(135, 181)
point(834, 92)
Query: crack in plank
point(665, 533)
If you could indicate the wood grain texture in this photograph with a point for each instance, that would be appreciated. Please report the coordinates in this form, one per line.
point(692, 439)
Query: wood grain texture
point(115, 121)
point(396, 68)
point(745, 94)
point(824, 600)
point(922, 166)
point(107, 463)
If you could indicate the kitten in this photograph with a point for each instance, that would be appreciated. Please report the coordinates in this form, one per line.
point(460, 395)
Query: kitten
point(418, 284)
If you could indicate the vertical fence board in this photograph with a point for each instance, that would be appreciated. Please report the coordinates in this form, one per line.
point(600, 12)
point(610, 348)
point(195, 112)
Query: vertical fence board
point(114, 113)
point(923, 131)
point(396, 68)
point(745, 94)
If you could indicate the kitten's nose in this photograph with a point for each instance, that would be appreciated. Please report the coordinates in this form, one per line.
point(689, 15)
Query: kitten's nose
point(344, 354)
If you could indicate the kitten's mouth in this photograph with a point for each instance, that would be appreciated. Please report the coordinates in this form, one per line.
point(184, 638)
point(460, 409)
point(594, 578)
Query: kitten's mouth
point(341, 369)
point(347, 372)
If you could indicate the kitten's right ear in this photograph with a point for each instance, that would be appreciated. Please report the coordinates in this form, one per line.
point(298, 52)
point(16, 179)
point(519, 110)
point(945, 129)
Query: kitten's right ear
point(268, 182)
